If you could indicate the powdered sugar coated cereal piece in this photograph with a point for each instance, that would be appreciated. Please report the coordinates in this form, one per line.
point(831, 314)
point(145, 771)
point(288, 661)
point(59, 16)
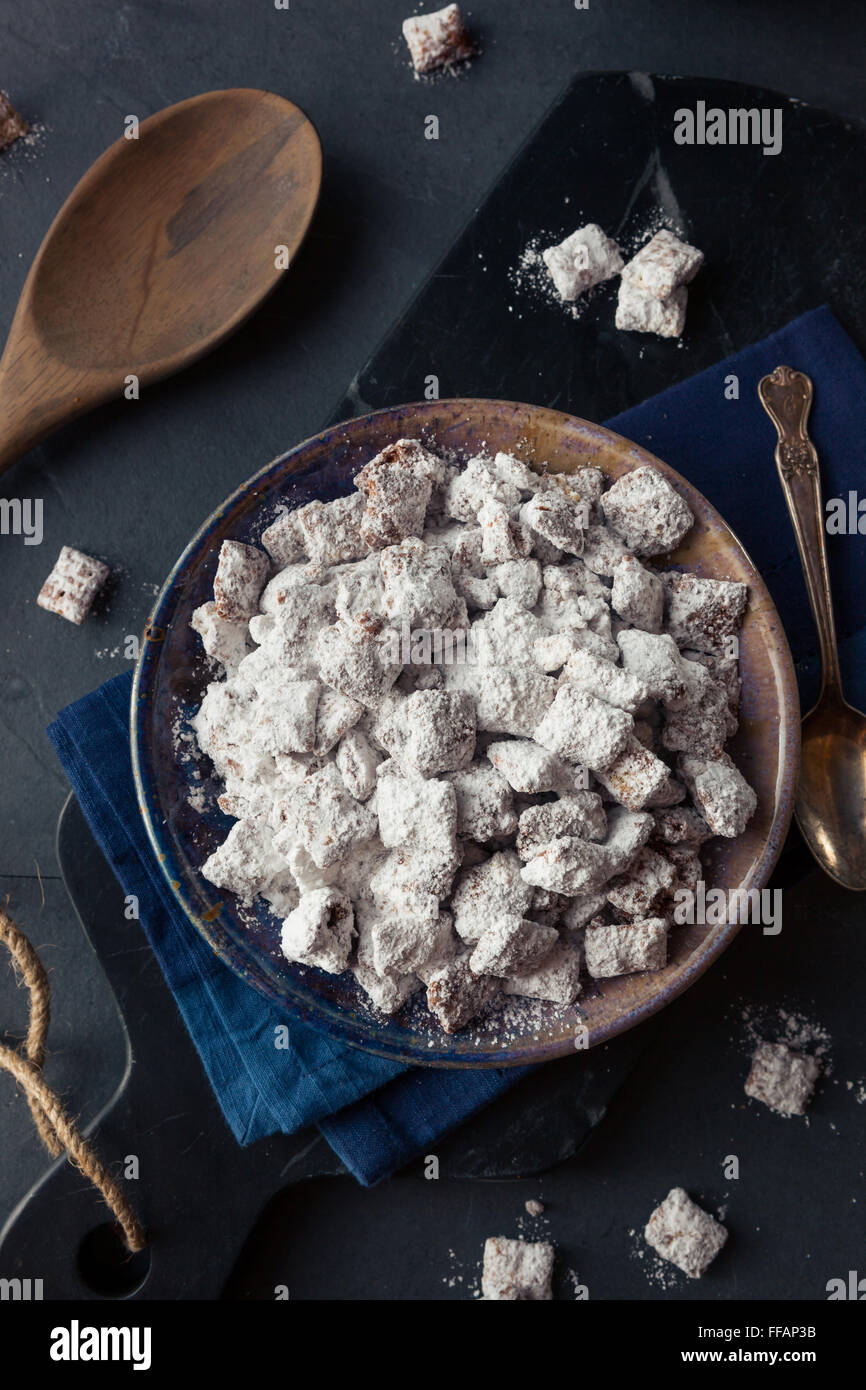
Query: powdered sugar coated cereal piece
point(502, 539)
point(228, 643)
point(331, 530)
point(356, 763)
point(519, 580)
point(680, 825)
point(354, 659)
point(638, 595)
point(549, 513)
point(623, 950)
point(437, 40)
point(456, 996)
point(512, 701)
point(602, 549)
point(509, 469)
point(488, 893)
point(635, 776)
point(284, 717)
point(684, 1234)
point(583, 729)
point(336, 714)
point(405, 943)
point(284, 540)
point(581, 813)
point(396, 485)
point(604, 680)
point(72, 585)
point(782, 1079)
point(641, 892)
point(662, 265)
point(721, 793)
point(416, 813)
point(476, 485)
point(638, 312)
point(646, 511)
point(418, 588)
point(655, 660)
point(527, 767)
point(704, 613)
point(320, 931)
point(325, 819)
point(241, 573)
point(246, 861)
point(556, 978)
point(512, 946)
point(485, 809)
point(431, 731)
point(516, 1271)
point(582, 260)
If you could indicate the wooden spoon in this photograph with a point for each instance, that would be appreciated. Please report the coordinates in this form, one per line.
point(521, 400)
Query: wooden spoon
point(830, 804)
point(165, 246)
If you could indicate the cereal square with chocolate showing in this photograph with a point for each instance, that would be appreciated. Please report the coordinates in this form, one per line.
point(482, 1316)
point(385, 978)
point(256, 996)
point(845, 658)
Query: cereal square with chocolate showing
point(396, 486)
point(332, 530)
point(418, 588)
point(475, 485)
point(641, 892)
point(284, 540)
point(516, 1271)
point(456, 996)
point(512, 701)
point(12, 126)
point(646, 511)
point(437, 40)
point(241, 573)
point(684, 1234)
point(784, 1080)
point(353, 659)
point(623, 950)
point(655, 659)
point(327, 820)
point(72, 585)
point(704, 613)
point(556, 978)
point(663, 265)
point(226, 642)
point(502, 539)
point(635, 776)
point(320, 930)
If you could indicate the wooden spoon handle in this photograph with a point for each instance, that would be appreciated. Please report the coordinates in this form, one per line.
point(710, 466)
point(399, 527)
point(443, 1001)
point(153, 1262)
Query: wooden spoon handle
point(786, 395)
point(37, 394)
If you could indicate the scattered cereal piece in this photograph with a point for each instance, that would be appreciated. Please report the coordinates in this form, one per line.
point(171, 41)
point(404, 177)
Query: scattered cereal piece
point(517, 1271)
point(637, 312)
point(584, 259)
point(533, 1207)
point(782, 1079)
point(12, 127)
point(72, 585)
point(663, 265)
point(684, 1234)
point(437, 40)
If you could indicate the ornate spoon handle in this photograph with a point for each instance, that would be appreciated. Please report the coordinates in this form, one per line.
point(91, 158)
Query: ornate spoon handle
point(786, 396)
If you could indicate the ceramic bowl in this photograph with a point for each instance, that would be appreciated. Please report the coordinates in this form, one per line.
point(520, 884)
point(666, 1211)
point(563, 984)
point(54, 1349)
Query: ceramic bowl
point(185, 824)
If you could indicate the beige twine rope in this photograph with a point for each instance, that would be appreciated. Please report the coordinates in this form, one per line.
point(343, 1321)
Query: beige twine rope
point(56, 1130)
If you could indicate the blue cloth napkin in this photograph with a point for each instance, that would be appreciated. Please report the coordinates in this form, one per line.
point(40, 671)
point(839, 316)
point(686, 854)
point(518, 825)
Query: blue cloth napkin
point(375, 1114)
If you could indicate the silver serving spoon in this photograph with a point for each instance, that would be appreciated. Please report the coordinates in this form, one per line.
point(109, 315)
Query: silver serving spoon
point(830, 804)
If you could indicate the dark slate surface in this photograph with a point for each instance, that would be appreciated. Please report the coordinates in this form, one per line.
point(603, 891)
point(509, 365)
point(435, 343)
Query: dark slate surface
point(133, 487)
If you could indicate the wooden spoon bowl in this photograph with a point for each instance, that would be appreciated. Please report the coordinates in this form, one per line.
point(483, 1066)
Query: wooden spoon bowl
point(164, 247)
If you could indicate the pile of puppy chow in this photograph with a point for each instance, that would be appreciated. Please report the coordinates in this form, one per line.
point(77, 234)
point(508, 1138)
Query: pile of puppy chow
point(471, 740)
